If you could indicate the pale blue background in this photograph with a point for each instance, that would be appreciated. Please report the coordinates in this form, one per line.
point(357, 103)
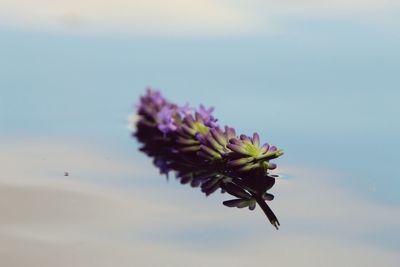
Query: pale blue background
point(326, 92)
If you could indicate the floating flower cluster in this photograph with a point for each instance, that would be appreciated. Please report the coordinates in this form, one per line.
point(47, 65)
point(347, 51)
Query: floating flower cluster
point(190, 143)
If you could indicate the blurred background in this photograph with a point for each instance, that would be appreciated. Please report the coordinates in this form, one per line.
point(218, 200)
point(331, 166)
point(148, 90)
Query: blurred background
point(318, 79)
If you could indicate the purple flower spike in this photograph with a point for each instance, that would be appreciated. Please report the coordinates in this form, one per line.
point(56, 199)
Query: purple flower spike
point(189, 143)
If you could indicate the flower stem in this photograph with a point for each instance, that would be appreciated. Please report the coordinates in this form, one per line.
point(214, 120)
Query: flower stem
point(268, 212)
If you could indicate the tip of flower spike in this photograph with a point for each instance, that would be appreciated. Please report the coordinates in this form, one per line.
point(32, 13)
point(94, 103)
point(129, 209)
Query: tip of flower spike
point(269, 155)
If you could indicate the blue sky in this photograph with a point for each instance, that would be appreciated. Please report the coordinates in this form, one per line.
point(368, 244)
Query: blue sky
point(319, 81)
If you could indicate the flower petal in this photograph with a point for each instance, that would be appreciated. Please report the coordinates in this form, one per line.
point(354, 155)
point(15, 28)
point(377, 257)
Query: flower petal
point(218, 135)
point(239, 203)
point(236, 191)
point(256, 139)
point(241, 161)
point(237, 148)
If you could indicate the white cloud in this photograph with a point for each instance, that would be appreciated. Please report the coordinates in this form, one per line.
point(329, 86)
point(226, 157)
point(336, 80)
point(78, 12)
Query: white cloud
point(51, 220)
point(178, 17)
point(144, 17)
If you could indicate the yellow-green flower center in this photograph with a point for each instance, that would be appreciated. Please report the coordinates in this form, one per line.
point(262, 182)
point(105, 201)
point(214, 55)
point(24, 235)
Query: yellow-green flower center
point(200, 128)
point(251, 149)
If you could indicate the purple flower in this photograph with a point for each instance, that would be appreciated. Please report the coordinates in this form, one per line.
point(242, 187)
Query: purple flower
point(150, 104)
point(247, 154)
point(190, 132)
point(185, 110)
point(165, 120)
point(208, 119)
point(162, 165)
point(214, 143)
point(156, 97)
point(190, 143)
